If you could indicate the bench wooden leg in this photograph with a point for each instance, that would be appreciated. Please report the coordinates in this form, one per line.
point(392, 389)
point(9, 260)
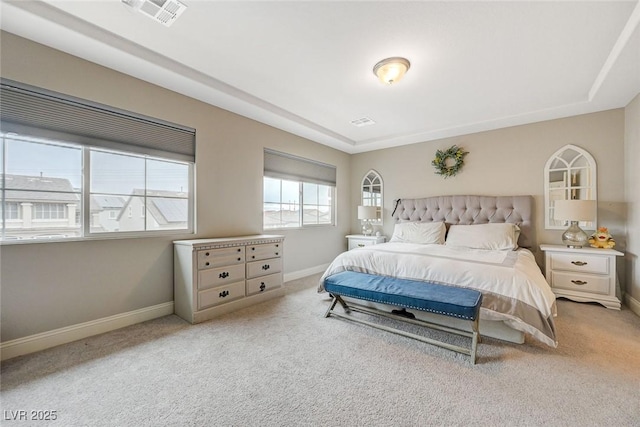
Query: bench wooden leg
point(474, 341)
point(331, 306)
point(336, 299)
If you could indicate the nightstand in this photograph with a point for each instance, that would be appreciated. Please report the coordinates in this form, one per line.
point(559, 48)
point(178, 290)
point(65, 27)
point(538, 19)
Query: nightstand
point(585, 274)
point(360, 240)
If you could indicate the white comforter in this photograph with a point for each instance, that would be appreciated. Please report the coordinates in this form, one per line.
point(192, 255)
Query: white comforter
point(514, 290)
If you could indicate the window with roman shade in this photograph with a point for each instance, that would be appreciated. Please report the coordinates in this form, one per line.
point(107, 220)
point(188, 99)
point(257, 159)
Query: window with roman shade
point(298, 192)
point(72, 168)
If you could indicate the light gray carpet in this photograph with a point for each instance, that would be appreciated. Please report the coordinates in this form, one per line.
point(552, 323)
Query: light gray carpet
point(281, 363)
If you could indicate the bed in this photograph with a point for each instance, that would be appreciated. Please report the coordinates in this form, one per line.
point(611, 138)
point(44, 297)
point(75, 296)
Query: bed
point(477, 242)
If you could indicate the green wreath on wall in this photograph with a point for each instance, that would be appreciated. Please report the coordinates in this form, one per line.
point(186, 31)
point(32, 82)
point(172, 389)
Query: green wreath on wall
point(448, 163)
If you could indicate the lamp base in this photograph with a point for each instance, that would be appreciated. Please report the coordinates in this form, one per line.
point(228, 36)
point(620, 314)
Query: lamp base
point(574, 237)
point(367, 228)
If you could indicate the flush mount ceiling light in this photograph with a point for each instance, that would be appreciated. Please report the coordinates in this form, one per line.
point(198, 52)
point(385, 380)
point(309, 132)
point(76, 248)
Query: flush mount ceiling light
point(391, 70)
point(165, 12)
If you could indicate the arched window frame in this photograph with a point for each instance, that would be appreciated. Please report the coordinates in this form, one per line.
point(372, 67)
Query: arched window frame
point(372, 194)
point(566, 186)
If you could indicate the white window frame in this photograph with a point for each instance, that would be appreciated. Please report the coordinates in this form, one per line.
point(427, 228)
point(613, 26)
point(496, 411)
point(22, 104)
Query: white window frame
point(318, 205)
point(288, 167)
point(37, 113)
point(13, 214)
point(301, 222)
point(83, 207)
point(38, 209)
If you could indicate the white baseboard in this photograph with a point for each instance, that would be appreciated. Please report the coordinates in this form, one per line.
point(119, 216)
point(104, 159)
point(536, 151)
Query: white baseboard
point(632, 303)
point(304, 273)
point(68, 334)
point(44, 340)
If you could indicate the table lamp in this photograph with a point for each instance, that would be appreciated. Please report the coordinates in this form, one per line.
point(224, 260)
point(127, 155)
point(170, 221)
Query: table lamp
point(575, 211)
point(366, 214)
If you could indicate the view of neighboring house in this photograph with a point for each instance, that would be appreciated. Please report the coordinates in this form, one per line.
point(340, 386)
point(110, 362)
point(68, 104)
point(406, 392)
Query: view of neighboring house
point(40, 206)
point(105, 211)
point(164, 210)
point(46, 207)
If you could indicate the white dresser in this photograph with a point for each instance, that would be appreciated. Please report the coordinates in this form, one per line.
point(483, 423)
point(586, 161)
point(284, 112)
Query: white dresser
point(216, 276)
point(585, 274)
point(360, 240)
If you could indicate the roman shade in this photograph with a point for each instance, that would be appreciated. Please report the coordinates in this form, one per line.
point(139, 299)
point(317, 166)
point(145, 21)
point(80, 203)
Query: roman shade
point(286, 166)
point(33, 111)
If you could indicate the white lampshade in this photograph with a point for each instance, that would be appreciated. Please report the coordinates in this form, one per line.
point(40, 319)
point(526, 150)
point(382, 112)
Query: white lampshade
point(367, 212)
point(574, 210)
point(391, 70)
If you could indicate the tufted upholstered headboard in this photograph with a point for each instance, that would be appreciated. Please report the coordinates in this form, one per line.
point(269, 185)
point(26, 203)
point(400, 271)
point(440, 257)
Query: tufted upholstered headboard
point(471, 210)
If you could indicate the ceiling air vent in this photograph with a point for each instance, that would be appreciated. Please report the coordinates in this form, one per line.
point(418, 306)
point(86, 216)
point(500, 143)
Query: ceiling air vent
point(164, 11)
point(364, 121)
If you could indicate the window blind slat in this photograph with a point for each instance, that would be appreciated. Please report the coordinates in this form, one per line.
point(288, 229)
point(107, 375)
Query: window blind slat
point(286, 166)
point(44, 112)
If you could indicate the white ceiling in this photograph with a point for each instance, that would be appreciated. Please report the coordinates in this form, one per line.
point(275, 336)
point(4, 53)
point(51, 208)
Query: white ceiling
point(306, 66)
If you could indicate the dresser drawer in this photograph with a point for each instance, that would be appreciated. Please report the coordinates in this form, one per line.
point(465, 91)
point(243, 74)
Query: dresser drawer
point(211, 258)
point(581, 263)
point(219, 295)
point(265, 251)
point(580, 282)
point(264, 283)
point(220, 276)
point(264, 267)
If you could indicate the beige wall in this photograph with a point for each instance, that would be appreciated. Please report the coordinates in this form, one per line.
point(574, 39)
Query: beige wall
point(53, 285)
point(507, 161)
point(632, 195)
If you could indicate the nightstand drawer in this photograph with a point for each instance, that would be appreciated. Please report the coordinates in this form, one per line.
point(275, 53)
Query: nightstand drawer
point(360, 240)
point(580, 282)
point(582, 274)
point(581, 263)
point(360, 243)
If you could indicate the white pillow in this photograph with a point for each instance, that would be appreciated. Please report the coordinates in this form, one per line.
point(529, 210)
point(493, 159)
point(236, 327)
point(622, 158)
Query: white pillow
point(419, 232)
point(496, 236)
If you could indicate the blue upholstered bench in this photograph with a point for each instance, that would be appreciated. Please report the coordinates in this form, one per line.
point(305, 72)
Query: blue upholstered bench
point(444, 300)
